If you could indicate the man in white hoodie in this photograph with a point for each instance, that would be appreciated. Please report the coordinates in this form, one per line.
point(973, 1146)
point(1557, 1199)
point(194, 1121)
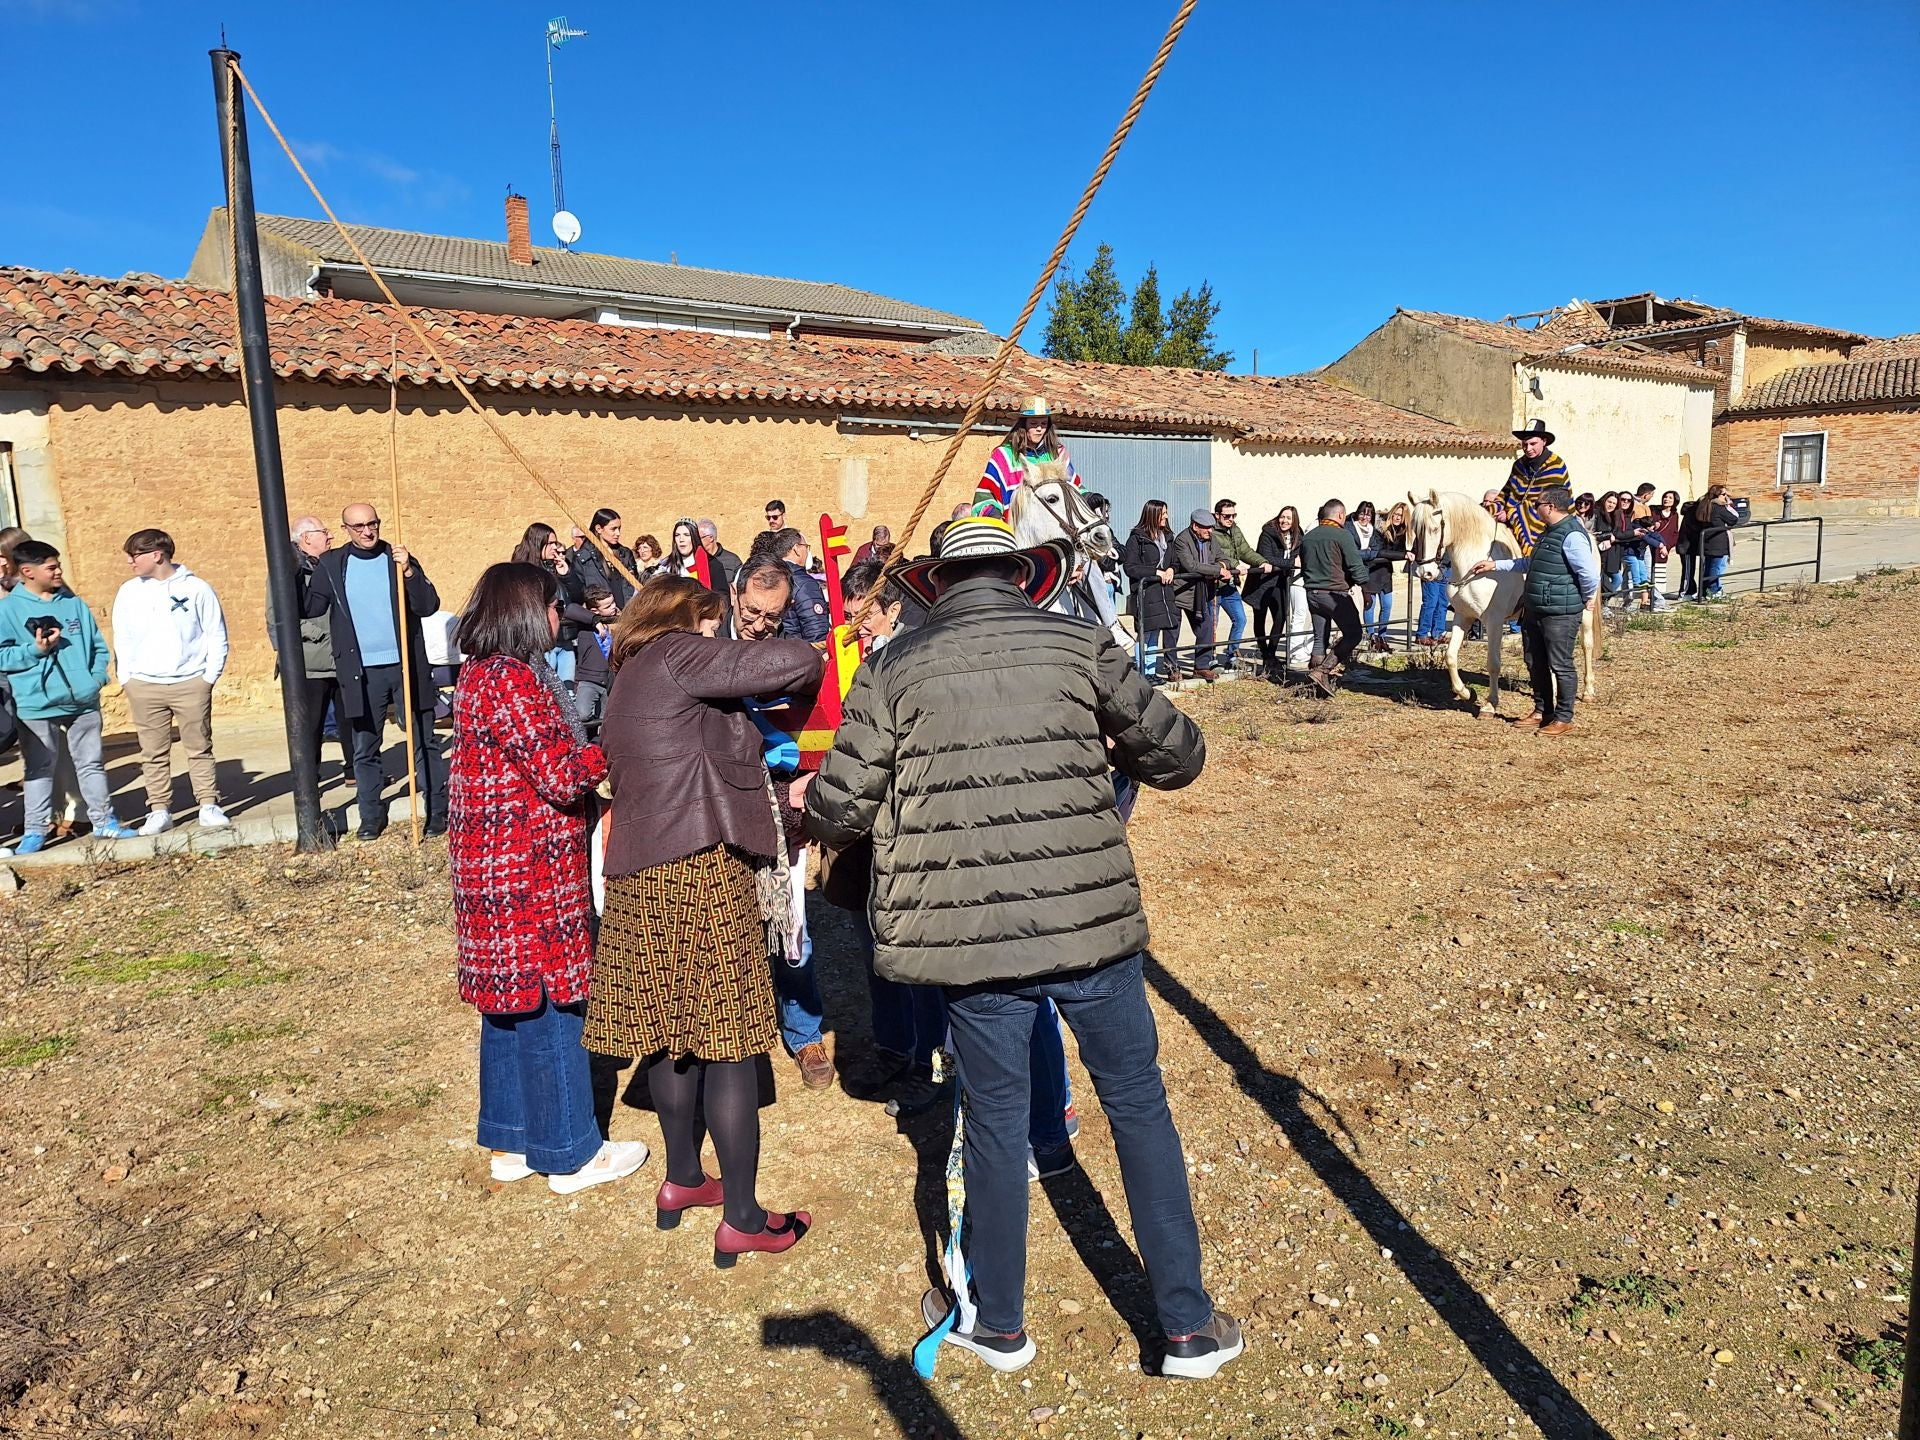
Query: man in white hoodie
point(170, 645)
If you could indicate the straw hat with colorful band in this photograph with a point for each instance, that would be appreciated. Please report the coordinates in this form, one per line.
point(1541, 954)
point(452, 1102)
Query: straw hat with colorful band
point(1036, 408)
point(979, 536)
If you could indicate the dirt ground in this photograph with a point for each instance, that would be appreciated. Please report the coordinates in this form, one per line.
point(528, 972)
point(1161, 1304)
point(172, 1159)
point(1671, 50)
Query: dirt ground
point(1529, 1086)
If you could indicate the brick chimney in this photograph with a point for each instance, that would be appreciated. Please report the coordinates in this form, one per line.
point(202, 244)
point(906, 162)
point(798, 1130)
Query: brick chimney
point(519, 237)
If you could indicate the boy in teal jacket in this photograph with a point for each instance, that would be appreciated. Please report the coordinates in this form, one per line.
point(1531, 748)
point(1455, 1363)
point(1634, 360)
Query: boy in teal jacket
point(53, 653)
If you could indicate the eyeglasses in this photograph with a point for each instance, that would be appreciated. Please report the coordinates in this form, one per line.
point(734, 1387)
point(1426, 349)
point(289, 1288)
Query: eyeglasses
point(362, 525)
point(318, 530)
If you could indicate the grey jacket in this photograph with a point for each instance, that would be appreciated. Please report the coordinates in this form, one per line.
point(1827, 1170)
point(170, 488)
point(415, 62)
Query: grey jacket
point(974, 751)
point(1196, 573)
point(316, 633)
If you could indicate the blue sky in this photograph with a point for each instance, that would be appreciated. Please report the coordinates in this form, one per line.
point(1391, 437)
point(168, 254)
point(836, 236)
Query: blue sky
point(1318, 164)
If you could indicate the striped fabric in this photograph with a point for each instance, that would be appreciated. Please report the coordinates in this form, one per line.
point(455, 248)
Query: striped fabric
point(1526, 483)
point(994, 494)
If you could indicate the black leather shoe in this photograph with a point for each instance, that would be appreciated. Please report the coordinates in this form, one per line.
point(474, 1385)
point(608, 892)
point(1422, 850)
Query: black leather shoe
point(433, 828)
point(371, 832)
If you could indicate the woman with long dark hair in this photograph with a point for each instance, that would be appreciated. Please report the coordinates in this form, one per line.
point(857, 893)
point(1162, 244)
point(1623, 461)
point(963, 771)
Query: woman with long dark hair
point(1271, 594)
point(1156, 618)
point(696, 891)
point(1716, 516)
point(684, 545)
point(1664, 525)
point(1032, 448)
point(520, 805)
point(593, 567)
point(1609, 538)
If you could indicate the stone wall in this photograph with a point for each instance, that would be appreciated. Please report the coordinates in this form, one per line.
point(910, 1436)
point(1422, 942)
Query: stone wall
point(176, 454)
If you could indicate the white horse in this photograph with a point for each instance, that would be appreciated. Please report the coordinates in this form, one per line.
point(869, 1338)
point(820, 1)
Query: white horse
point(1048, 506)
point(1451, 530)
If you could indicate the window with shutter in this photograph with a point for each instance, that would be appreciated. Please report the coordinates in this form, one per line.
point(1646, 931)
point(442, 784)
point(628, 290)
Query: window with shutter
point(1803, 459)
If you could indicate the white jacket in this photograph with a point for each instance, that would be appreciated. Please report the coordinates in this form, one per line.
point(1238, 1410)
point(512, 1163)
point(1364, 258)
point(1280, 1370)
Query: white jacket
point(165, 631)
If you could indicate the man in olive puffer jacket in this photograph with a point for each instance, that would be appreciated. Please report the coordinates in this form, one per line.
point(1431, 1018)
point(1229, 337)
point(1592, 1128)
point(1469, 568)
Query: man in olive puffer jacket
point(975, 751)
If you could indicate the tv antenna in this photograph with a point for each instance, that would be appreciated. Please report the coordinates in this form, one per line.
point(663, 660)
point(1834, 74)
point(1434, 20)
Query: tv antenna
point(566, 225)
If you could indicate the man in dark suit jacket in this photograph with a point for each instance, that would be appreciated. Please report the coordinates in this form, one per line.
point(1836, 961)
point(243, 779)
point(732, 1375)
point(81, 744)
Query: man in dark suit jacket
point(356, 583)
point(1198, 574)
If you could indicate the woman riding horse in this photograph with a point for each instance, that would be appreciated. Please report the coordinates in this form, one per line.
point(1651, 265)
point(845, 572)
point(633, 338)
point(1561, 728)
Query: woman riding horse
point(1031, 450)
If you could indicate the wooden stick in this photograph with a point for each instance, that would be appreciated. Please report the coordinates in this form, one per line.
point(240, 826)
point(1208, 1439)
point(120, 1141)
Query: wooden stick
point(400, 612)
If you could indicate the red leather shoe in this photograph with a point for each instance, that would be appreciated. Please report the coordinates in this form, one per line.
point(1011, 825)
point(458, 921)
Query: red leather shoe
point(783, 1232)
point(673, 1198)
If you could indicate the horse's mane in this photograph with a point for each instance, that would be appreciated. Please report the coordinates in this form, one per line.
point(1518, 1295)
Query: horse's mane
point(1470, 527)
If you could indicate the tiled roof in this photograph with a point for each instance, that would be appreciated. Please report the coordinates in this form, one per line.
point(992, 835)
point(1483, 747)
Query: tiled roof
point(1580, 318)
point(1543, 346)
point(140, 325)
point(1894, 347)
point(1838, 384)
point(408, 250)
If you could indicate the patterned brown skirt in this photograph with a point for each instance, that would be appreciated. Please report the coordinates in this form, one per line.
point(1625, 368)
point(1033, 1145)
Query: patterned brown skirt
point(682, 963)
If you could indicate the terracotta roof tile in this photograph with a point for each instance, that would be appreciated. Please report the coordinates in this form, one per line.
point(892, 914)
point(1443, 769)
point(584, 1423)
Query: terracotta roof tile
point(1838, 384)
point(642, 280)
point(1894, 347)
point(1547, 347)
point(141, 325)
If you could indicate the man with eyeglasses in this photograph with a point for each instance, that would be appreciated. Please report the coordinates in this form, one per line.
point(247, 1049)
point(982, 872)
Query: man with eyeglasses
point(356, 583)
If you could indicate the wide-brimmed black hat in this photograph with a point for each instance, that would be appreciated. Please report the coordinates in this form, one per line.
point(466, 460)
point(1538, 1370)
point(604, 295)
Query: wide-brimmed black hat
point(1533, 428)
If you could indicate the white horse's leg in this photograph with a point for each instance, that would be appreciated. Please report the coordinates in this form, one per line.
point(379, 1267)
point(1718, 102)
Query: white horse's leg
point(1496, 638)
point(1589, 651)
point(1455, 634)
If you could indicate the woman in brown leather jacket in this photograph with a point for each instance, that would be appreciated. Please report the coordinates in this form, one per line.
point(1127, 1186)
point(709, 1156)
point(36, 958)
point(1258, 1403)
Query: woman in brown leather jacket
point(695, 876)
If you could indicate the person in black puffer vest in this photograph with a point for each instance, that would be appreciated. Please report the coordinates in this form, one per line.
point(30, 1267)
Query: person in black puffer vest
point(1563, 577)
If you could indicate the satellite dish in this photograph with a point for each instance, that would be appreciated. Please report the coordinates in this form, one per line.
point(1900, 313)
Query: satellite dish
point(566, 226)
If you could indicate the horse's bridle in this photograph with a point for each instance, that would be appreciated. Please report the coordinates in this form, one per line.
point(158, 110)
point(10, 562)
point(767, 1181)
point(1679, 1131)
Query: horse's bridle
point(1419, 545)
point(1073, 532)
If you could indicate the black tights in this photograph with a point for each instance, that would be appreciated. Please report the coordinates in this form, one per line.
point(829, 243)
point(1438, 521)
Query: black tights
point(1270, 601)
point(695, 1097)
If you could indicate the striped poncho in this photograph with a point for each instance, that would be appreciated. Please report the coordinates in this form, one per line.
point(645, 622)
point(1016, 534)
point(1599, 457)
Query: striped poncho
point(1005, 469)
point(1526, 483)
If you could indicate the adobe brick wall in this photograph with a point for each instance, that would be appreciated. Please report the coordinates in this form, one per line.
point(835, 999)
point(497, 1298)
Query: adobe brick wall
point(176, 454)
point(1873, 459)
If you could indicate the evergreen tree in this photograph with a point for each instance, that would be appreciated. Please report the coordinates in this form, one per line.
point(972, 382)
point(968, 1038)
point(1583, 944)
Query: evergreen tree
point(1085, 321)
point(1146, 329)
point(1190, 339)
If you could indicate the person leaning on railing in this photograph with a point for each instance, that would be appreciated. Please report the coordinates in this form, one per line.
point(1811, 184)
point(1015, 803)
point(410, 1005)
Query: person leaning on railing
point(1716, 515)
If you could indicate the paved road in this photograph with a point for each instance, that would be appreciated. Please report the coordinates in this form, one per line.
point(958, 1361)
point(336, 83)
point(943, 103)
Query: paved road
point(1848, 547)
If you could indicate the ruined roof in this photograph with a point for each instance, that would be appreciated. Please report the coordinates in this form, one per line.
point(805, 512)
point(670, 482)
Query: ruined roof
point(143, 326)
point(1545, 347)
point(415, 253)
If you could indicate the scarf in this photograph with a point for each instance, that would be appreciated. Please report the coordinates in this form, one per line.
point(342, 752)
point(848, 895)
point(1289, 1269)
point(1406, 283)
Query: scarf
point(551, 679)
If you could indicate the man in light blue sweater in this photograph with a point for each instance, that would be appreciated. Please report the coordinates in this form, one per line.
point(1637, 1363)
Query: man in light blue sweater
point(52, 651)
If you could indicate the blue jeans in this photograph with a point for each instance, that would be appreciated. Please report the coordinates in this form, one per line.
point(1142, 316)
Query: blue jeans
point(1433, 606)
point(1378, 612)
point(536, 1091)
point(802, 1014)
point(1639, 570)
point(993, 1032)
point(1712, 567)
point(1153, 654)
point(908, 1020)
point(1236, 609)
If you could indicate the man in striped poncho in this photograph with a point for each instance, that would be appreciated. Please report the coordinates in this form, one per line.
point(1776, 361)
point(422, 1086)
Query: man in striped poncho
point(1537, 471)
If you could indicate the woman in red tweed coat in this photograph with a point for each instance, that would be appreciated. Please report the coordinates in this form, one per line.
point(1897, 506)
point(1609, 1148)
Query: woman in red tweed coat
point(521, 805)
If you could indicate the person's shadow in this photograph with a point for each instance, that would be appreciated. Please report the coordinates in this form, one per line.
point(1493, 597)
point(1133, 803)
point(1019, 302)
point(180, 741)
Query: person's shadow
point(1529, 1384)
point(915, 1409)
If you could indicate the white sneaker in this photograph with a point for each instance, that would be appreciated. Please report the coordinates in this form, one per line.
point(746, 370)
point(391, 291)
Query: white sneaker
point(157, 821)
point(508, 1167)
point(617, 1160)
point(212, 817)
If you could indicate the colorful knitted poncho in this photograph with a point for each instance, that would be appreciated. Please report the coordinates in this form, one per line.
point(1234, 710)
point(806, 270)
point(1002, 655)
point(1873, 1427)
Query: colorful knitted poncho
point(1526, 483)
point(1005, 469)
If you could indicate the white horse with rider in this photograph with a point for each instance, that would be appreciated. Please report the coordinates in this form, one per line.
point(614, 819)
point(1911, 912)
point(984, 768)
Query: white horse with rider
point(1047, 505)
point(1450, 531)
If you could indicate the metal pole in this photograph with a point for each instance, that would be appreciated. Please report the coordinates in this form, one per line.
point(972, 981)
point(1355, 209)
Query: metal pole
point(1764, 528)
point(257, 368)
point(1819, 544)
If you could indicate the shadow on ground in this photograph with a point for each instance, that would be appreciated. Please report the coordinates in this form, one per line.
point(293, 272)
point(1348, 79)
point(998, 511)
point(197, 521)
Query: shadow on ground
point(1505, 1357)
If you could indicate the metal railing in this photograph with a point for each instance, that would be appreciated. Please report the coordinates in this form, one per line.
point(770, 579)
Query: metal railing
point(1399, 632)
point(1765, 527)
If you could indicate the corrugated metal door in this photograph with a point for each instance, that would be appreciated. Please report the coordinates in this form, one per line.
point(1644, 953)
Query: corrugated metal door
point(1133, 469)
